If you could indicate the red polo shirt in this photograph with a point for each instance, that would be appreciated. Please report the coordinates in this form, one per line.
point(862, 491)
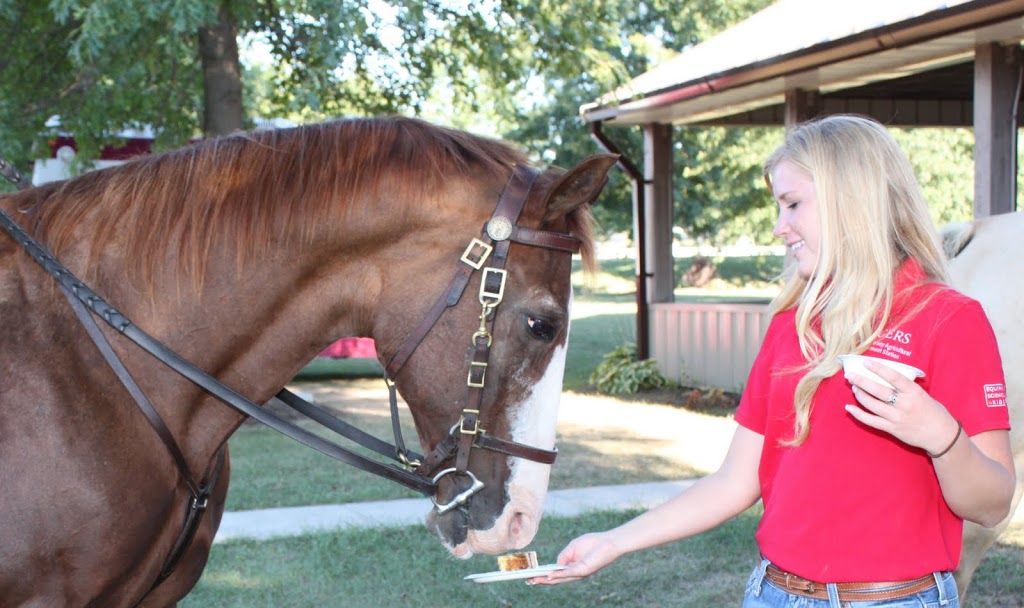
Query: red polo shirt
point(852, 503)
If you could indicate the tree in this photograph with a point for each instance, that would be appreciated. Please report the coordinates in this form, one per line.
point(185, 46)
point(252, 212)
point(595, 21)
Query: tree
point(99, 66)
point(514, 68)
point(717, 170)
point(720, 194)
point(175, 65)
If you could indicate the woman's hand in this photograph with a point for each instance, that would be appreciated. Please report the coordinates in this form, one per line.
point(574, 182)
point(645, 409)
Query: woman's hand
point(581, 558)
point(906, 411)
point(976, 473)
point(709, 501)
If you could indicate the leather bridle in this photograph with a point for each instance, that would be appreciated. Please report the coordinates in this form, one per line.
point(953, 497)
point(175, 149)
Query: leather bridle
point(489, 254)
point(497, 235)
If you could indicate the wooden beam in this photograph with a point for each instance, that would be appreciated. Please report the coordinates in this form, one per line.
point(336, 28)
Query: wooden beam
point(997, 72)
point(660, 216)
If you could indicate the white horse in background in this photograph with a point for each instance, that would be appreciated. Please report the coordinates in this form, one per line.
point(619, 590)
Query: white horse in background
point(984, 255)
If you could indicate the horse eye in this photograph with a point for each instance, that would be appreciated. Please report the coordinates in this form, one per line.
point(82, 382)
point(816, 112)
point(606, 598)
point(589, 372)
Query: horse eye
point(541, 328)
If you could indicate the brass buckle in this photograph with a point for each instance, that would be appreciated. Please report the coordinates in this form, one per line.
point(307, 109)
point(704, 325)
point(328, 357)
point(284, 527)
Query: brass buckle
point(476, 427)
point(492, 298)
point(483, 374)
point(409, 464)
point(467, 255)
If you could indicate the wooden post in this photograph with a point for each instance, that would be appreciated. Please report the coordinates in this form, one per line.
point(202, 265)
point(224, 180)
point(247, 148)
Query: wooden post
point(997, 72)
point(801, 105)
point(660, 216)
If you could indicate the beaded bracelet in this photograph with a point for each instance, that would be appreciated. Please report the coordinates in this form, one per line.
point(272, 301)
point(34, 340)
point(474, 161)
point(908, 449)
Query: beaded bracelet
point(959, 429)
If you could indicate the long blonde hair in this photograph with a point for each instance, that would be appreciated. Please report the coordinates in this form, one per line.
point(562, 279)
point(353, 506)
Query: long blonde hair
point(872, 218)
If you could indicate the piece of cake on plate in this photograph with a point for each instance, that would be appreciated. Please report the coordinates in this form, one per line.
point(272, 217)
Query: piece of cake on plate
point(517, 561)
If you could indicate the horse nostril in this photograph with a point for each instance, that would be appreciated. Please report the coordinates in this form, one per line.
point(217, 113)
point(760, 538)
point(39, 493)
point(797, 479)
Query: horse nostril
point(515, 527)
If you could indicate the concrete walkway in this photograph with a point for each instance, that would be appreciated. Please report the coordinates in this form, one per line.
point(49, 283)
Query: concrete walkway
point(698, 441)
point(263, 524)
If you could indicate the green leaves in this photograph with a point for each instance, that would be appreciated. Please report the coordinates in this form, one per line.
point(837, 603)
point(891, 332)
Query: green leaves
point(519, 69)
point(620, 373)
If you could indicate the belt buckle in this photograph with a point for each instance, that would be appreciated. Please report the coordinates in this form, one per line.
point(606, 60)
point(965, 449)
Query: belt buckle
point(806, 586)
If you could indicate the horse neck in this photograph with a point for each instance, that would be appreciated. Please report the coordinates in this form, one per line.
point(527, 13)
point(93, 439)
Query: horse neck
point(256, 326)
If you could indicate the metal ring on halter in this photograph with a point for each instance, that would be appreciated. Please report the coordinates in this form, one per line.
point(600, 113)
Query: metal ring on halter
point(462, 497)
point(892, 398)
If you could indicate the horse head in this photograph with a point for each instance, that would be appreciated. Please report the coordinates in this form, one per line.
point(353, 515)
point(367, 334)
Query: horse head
point(493, 501)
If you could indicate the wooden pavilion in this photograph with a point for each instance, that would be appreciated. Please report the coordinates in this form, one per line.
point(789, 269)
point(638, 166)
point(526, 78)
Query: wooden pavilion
point(934, 63)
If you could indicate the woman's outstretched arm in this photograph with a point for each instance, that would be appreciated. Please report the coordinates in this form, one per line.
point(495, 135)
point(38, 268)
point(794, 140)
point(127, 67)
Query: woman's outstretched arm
point(713, 499)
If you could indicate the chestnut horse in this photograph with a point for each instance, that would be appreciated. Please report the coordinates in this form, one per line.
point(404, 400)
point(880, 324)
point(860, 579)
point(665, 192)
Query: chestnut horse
point(984, 254)
point(243, 257)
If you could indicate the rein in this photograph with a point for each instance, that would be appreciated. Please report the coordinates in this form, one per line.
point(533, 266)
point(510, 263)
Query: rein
point(499, 232)
point(78, 291)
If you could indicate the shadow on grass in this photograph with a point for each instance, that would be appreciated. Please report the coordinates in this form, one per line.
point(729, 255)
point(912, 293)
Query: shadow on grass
point(614, 456)
point(269, 470)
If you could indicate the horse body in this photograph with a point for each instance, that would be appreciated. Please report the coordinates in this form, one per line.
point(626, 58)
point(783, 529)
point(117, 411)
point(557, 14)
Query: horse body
point(982, 251)
point(247, 256)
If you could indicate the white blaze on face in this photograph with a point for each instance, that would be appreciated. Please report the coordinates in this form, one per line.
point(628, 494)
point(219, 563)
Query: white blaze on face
point(533, 422)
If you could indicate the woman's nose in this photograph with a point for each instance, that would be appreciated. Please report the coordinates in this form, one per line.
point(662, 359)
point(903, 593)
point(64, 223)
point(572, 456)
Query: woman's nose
point(781, 228)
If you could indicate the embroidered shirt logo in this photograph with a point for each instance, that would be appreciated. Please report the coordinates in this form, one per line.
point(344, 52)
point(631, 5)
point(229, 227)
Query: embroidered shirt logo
point(995, 395)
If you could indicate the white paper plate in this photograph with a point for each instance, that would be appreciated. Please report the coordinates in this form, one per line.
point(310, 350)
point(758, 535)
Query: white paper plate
point(855, 364)
point(512, 575)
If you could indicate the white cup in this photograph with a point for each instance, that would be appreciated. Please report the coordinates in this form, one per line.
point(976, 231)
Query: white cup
point(854, 364)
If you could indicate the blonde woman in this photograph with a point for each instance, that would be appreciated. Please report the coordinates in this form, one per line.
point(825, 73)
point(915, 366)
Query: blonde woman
point(865, 485)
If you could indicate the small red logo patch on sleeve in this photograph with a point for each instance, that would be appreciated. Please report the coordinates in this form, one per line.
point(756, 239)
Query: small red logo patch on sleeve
point(995, 395)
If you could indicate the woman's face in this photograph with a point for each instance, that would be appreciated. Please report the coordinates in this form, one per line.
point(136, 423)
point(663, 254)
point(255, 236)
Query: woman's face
point(798, 224)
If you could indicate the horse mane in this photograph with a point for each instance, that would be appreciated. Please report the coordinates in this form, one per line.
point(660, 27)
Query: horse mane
point(241, 189)
point(956, 237)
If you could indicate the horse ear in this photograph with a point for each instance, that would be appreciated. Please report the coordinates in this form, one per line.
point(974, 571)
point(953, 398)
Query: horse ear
point(580, 185)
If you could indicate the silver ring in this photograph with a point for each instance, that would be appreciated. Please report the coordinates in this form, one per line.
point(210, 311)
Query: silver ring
point(892, 398)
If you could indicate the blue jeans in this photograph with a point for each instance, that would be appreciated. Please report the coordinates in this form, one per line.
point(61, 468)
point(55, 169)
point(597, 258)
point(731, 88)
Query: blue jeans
point(761, 593)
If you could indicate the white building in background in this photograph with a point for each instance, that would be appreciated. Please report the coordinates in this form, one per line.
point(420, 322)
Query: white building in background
point(63, 150)
point(137, 142)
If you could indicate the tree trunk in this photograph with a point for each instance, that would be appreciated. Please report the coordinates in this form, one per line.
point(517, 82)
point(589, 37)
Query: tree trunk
point(222, 77)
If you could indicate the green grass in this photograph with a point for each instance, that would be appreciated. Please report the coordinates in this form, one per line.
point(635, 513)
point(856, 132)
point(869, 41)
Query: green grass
point(407, 567)
point(599, 325)
point(999, 581)
point(270, 470)
point(733, 276)
point(323, 368)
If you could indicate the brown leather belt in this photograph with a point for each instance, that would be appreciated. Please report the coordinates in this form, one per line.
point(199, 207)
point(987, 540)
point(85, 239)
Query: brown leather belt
point(848, 592)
